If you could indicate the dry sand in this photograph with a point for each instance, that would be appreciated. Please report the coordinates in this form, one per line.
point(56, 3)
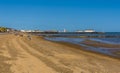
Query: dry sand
point(18, 54)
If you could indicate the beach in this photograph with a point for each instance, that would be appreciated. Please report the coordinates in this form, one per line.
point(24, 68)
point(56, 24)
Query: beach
point(34, 54)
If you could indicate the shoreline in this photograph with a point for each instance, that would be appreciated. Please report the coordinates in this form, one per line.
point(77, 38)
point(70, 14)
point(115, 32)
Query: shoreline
point(81, 48)
point(19, 54)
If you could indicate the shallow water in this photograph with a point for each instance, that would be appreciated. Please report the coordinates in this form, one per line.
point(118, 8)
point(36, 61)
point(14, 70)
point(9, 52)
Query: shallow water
point(107, 51)
point(108, 40)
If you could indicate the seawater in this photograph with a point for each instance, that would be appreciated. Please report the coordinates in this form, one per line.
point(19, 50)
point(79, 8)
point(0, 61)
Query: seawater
point(67, 34)
point(78, 41)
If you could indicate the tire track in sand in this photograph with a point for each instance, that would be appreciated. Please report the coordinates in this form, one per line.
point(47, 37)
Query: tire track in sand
point(4, 56)
point(29, 64)
point(49, 63)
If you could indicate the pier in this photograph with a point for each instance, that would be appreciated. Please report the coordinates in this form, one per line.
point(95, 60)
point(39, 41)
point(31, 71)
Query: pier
point(78, 34)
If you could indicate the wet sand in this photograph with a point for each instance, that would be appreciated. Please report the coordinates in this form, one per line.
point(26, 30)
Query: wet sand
point(19, 54)
point(100, 44)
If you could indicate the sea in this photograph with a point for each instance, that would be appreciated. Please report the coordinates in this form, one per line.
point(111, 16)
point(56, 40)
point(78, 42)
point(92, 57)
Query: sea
point(114, 39)
point(77, 34)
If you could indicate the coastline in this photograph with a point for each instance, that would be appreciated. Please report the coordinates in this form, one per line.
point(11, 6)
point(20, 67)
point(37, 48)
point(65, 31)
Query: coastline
point(19, 54)
point(81, 48)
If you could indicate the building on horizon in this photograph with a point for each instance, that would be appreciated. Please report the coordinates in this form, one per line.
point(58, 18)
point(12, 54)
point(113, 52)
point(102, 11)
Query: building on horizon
point(89, 30)
point(64, 30)
point(79, 31)
point(31, 31)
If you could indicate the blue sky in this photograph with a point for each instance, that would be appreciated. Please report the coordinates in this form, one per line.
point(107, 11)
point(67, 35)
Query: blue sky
point(101, 15)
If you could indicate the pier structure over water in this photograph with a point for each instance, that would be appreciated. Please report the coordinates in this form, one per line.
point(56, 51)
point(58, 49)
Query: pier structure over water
point(79, 34)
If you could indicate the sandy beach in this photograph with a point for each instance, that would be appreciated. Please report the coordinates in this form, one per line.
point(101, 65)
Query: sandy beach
point(20, 54)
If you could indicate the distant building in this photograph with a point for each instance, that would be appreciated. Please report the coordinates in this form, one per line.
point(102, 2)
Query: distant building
point(79, 31)
point(22, 30)
point(89, 30)
point(26, 30)
point(37, 31)
point(11, 30)
point(51, 31)
point(64, 30)
point(8, 30)
point(31, 31)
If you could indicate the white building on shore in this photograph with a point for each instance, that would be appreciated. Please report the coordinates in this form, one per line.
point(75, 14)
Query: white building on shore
point(89, 30)
point(64, 30)
point(31, 31)
point(79, 31)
